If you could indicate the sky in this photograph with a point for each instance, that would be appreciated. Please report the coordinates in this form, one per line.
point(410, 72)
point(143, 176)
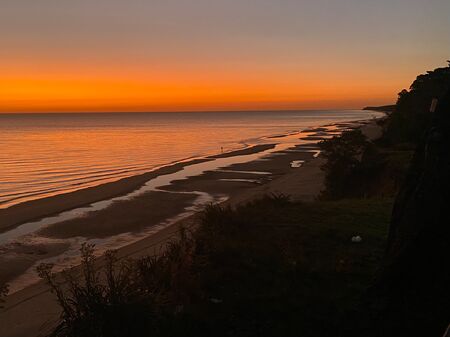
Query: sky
point(182, 55)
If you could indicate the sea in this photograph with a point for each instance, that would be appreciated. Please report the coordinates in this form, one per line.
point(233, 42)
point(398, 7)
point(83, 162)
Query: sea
point(43, 155)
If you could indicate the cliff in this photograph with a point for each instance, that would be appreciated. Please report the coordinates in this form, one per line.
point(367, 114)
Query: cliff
point(411, 296)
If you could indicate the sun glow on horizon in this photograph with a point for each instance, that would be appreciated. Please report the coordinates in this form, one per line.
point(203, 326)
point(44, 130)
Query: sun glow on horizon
point(90, 90)
point(112, 55)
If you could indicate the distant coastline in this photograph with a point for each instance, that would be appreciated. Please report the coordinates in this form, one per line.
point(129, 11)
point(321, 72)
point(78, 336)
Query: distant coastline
point(383, 108)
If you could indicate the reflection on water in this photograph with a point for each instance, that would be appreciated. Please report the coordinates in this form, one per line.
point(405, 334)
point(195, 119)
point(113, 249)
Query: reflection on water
point(48, 154)
point(152, 185)
point(25, 232)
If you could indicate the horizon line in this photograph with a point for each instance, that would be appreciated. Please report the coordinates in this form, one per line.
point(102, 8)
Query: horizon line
point(173, 111)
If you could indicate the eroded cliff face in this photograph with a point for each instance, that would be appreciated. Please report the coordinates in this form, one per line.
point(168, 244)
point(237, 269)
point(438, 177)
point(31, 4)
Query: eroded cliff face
point(412, 294)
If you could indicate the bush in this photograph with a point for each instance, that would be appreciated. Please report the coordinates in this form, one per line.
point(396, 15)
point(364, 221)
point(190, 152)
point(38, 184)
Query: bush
point(343, 154)
point(123, 298)
point(109, 302)
point(269, 267)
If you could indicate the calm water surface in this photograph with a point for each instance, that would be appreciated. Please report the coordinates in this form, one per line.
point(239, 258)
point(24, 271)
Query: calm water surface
point(47, 154)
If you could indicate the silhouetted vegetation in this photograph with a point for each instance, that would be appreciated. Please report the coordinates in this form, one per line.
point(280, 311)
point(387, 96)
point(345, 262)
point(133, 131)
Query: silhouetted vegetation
point(343, 154)
point(122, 298)
point(288, 269)
point(412, 114)
point(411, 296)
point(268, 268)
point(277, 268)
point(357, 168)
point(414, 276)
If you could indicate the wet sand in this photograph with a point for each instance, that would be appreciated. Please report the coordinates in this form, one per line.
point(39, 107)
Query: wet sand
point(132, 215)
point(37, 209)
point(271, 174)
point(15, 258)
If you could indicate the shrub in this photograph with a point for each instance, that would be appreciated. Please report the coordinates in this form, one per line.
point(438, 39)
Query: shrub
point(168, 277)
point(103, 302)
point(343, 154)
point(123, 298)
point(412, 112)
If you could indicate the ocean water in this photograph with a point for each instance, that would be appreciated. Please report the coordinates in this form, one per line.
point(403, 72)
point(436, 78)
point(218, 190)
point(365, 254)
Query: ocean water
point(47, 154)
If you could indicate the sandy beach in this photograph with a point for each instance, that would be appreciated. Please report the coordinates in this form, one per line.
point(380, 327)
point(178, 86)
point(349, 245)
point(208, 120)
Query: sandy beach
point(235, 177)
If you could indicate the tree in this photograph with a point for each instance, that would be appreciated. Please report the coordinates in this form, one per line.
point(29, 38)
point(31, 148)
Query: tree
point(343, 154)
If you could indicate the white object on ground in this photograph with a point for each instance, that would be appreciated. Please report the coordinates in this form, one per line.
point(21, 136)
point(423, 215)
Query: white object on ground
point(356, 239)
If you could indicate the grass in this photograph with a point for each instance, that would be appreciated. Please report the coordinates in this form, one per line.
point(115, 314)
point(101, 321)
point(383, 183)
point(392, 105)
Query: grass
point(268, 268)
point(275, 268)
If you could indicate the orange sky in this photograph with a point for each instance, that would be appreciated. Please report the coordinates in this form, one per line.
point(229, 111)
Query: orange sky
point(72, 87)
point(114, 55)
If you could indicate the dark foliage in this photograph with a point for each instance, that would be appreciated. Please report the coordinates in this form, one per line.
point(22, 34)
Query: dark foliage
point(267, 268)
point(357, 168)
point(412, 296)
point(101, 303)
point(123, 298)
point(276, 268)
point(273, 267)
point(343, 154)
point(412, 114)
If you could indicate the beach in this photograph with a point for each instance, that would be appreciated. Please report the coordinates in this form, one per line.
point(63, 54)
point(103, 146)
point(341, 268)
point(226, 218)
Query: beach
point(153, 217)
point(224, 168)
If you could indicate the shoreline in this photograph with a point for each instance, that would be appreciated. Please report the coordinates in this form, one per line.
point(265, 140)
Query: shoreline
point(119, 221)
point(38, 209)
point(121, 200)
point(305, 182)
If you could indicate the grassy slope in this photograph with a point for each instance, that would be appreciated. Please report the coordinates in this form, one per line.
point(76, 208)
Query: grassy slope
point(284, 269)
point(268, 268)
